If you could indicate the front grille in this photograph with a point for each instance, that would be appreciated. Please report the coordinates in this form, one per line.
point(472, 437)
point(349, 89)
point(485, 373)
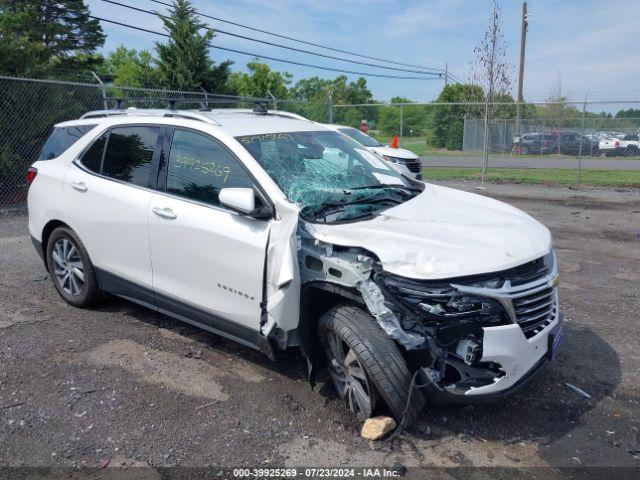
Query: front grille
point(535, 310)
point(414, 166)
point(525, 294)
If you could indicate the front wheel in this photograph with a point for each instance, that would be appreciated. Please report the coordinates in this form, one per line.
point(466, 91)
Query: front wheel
point(71, 269)
point(365, 365)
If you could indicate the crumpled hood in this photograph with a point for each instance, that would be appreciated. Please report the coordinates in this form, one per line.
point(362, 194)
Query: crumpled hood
point(444, 233)
point(394, 152)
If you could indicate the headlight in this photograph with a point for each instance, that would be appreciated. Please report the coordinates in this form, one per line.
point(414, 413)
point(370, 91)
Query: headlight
point(439, 300)
point(392, 159)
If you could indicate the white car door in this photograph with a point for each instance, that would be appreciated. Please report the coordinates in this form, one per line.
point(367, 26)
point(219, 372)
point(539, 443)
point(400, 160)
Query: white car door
point(208, 261)
point(106, 197)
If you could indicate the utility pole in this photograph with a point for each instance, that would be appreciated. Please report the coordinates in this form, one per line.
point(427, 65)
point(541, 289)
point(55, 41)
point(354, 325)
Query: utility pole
point(446, 74)
point(523, 42)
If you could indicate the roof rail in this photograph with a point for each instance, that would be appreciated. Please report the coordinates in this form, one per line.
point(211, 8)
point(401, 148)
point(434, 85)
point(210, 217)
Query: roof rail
point(191, 115)
point(281, 113)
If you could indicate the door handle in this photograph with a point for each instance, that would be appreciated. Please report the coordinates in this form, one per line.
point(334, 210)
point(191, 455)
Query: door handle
point(164, 213)
point(79, 186)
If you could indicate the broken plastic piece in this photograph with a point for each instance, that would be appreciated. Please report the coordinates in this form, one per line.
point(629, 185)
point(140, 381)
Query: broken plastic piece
point(386, 318)
point(577, 390)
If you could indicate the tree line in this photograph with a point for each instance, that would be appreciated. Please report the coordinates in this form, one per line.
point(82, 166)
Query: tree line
point(58, 38)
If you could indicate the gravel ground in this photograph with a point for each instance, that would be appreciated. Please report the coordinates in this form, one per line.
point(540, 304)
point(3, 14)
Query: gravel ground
point(120, 385)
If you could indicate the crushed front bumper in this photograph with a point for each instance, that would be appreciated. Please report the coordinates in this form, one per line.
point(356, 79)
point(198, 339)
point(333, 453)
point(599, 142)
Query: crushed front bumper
point(520, 359)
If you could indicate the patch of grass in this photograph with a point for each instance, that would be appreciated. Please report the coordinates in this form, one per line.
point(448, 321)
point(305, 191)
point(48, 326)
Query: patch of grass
point(560, 176)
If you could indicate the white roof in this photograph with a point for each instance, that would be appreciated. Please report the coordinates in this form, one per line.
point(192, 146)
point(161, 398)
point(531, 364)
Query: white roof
point(234, 122)
point(238, 123)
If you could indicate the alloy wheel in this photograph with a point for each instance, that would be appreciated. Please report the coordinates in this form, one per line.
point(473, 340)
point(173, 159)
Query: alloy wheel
point(68, 267)
point(348, 376)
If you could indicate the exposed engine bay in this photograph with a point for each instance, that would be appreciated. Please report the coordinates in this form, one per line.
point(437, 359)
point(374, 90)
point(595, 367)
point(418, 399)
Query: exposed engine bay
point(470, 336)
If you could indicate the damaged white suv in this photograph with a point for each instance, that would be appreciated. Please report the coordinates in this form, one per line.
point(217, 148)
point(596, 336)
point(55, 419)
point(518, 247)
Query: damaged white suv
point(278, 232)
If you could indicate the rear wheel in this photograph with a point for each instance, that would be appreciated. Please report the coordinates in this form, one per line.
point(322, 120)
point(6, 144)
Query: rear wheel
point(631, 151)
point(71, 269)
point(365, 365)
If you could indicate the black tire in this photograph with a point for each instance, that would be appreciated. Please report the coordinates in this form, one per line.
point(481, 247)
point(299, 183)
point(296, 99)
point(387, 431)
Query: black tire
point(379, 356)
point(89, 293)
point(631, 151)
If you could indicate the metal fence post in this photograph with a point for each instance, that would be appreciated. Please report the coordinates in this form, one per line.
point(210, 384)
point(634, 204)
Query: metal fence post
point(485, 160)
point(102, 88)
point(504, 135)
point(401, 119)
point(274, 100)
point(584, 112)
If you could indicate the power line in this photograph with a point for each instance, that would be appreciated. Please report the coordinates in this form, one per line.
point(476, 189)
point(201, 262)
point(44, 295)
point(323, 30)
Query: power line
point(456, 78)
point(244, 37)
point(275, 59)
point(439, 70)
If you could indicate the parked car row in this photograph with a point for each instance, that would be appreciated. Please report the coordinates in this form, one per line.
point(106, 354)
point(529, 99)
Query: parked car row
point(627, 145)
point(568, 143)
point(575, 143)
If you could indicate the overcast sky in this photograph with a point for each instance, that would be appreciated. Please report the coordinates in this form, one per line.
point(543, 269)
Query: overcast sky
point(591, 45)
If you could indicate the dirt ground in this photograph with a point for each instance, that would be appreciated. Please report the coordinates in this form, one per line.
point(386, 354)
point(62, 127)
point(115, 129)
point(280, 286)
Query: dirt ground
point(123, 386)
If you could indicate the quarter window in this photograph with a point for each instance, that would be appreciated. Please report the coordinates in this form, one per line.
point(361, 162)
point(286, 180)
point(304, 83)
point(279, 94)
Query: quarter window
point(61, 139)
point(129, 154)
point(199, 167)
point(92, 158)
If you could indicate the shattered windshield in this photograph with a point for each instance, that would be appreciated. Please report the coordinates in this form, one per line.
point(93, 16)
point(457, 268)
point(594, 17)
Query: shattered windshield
point(360, 137)
point(331, 177)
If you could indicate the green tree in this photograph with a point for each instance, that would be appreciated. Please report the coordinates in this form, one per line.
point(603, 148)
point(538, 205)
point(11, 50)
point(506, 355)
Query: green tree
point(630, 115)
point(183, 61)
point(448, 120)
point(128, 67)
point(260, 81)
point(318, 91)
point(36, 38)
point(558, 113)
point(415, 119)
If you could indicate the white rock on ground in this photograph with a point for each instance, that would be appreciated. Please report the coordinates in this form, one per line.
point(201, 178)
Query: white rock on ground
point(377, 427)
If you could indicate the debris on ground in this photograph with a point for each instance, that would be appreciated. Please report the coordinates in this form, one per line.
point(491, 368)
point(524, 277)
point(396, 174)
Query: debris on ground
point(635, 454)
point(398, 468)
point(377, 427)
point(577, 390)
point(210, 404)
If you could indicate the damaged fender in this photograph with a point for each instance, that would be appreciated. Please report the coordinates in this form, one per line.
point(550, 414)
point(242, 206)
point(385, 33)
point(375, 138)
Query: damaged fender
point(351, 268)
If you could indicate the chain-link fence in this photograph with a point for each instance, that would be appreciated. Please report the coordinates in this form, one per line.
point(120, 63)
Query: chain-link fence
point(565, 135)
point(29, 108)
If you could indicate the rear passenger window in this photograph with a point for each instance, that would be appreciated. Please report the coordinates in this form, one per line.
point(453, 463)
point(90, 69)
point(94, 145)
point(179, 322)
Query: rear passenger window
point(61, 139)
point(129, 154)
point(92, 158)
point(199, 167)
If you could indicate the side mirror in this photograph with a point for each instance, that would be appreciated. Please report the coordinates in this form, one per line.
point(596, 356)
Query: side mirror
point(243, 200)
point(239, 199)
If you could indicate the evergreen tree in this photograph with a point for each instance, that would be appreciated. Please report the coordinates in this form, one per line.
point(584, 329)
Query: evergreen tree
point(36, 38)
point(184, 61)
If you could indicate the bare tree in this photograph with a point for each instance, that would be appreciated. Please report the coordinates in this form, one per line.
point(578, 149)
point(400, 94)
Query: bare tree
point(492, 72)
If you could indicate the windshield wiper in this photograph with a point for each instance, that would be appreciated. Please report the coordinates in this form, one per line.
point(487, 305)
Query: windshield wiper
point(334, 208)
point(386, 185)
